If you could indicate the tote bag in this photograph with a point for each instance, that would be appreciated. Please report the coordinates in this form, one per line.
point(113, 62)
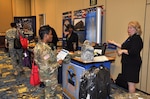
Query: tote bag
point(24, 41)
point(20, 42)
point(34, 77)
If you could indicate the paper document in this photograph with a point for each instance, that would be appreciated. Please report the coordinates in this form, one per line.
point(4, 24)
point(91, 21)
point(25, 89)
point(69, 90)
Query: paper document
point(98, 51)
point(100, 58)
point(62, 54)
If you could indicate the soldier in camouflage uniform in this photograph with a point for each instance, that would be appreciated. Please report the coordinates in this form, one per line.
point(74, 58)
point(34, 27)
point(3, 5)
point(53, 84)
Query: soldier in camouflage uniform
point(45, 58)
point(15, 54)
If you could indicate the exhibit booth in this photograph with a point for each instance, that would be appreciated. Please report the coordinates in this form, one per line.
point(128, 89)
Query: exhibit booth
point(88, 24)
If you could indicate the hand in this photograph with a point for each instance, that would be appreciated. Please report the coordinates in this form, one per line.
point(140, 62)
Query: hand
point(60, 62)
point(122, 51)
point(58, 50)
point(119, 52)
point(6, 45)
point(111, 42)
point(114, 43)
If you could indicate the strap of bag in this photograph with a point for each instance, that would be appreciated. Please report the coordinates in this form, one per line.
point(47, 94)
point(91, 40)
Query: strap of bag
point(34, 64)
point(17, 33)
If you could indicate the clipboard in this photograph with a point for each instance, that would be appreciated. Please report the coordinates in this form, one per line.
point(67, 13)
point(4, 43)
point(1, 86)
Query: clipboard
point(62, 54)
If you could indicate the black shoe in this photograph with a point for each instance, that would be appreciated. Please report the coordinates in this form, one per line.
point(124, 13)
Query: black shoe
point(15, 75)
point(42, 85)
point(112, 81)
point(22, 72)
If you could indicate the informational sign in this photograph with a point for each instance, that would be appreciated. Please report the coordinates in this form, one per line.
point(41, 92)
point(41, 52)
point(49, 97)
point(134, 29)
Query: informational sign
point(30, 20)
point(71, 79)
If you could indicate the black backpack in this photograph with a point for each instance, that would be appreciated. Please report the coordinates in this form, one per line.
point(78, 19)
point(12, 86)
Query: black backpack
point(103, 83)
point(121, 81)
point(96, 84)
point(17, 42)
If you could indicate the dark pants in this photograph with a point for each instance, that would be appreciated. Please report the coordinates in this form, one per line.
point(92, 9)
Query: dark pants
point(60, 75)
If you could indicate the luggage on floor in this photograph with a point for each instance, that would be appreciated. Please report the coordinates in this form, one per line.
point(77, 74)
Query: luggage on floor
point(95, 84)
point(121, 81)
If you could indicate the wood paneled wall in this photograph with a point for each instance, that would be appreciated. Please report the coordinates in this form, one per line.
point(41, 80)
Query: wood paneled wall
point(6, 14)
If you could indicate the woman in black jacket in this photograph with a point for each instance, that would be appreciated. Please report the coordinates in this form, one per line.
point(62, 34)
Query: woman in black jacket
point(71, 39)
point(130, 51)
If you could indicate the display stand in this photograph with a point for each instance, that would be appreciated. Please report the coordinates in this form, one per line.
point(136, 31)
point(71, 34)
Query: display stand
point(72, 73)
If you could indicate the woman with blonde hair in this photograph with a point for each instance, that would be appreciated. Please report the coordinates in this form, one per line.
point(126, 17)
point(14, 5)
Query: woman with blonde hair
point(130, 52)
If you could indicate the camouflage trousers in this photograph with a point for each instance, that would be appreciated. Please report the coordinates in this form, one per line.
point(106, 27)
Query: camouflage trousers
point(52, 91)
point(16, 58)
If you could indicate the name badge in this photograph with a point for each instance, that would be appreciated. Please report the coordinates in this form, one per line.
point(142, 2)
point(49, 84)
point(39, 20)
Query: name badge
point(46, 57)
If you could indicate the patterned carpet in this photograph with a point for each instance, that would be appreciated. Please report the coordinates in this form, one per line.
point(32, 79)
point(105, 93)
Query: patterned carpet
point(12, 87)
point(16, 87)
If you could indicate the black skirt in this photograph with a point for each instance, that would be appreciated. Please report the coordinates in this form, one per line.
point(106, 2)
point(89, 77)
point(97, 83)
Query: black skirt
point(131, 71)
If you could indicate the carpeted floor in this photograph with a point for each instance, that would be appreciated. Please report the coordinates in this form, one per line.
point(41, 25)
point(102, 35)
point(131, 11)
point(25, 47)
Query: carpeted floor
point(15, 87)
point(12, 87)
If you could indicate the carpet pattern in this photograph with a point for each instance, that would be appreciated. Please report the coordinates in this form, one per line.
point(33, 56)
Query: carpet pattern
point(16, 87)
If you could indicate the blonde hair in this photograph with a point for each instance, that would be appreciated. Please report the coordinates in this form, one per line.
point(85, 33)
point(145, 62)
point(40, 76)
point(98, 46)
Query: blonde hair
point(137, 26)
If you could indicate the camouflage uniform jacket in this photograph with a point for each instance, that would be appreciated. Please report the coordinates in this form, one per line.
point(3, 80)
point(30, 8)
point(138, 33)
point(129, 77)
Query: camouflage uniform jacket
point(10, 36)
point(45, 58)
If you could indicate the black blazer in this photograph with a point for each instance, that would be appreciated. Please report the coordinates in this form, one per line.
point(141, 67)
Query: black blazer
point(70, 40)
point(134, 45)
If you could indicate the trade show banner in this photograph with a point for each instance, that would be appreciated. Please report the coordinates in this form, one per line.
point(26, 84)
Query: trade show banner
point(94, 23)
point(79, 13)
point(79, 24)
point(67, 19)
point(88, 24)
point(90, 29)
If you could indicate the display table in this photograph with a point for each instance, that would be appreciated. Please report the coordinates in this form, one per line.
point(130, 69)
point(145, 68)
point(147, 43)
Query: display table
point(73, 71)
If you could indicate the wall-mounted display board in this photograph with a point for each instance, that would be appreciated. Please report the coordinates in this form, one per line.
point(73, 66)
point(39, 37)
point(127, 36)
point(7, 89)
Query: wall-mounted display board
point(30, 20)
